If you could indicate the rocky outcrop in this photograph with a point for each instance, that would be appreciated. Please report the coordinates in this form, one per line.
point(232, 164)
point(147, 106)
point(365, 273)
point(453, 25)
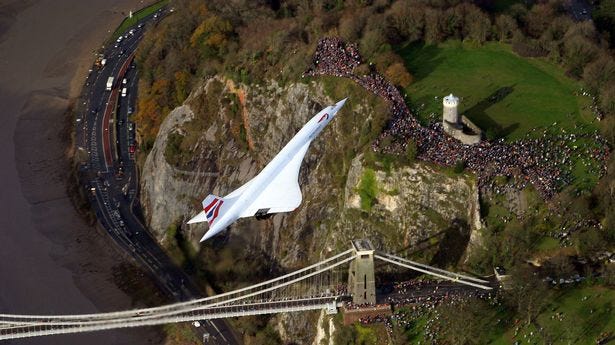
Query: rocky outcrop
point(225, 133)
point(413, 203)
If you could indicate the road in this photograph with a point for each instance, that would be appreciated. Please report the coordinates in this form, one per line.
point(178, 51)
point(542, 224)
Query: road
point(110, 176)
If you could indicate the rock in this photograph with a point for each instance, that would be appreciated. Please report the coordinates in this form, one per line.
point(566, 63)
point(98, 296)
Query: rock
point(230, 132)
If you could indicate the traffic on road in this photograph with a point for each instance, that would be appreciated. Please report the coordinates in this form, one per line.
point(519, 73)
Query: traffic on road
point(107, 137)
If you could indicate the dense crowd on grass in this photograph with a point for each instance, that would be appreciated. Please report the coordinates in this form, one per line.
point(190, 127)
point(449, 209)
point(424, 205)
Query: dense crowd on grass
point(536, 161)
point(410, 309)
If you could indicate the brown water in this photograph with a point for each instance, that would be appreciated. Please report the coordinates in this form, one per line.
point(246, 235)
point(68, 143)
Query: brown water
point(50, 260)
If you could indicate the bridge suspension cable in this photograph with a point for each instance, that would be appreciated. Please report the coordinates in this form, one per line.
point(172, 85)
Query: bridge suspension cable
point(318, 286)
point(437, 272)
point(261, 298)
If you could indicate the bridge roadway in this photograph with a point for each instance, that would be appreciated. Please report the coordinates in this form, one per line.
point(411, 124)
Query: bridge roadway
point(104, 138)
point(309, 288)
point(20, 329)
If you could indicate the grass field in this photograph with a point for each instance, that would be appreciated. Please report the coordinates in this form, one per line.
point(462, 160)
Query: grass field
point(577, 316)
point(138, 15)
point(499, 91)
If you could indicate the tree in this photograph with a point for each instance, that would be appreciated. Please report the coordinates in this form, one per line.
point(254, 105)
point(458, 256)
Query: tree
point(411, 151)
point(181, 86)
point(519, 12)
point(350, 26)
point(604, 16)
point(526, 46)
point(371, 42)
point(451, 21)
point(433, 32)
point(557, 29)
point(416, 22)
point(528, 293)
point(368, 189)
point(465, 322)
point(398, 16)
point(398, 75)
point(578, 52)
point(588, 242)
point(538, 19)
point(607, 98)
point(608, 274)
point(598, 73)
point(477, 24)
point(505, 27)
point(459, 167)
point(560, 266)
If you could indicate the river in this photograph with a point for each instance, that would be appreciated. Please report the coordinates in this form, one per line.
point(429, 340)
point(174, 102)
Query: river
point(51, 261)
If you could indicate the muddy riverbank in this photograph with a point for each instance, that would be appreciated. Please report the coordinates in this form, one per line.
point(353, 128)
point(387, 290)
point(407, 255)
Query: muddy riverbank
point(51, 261)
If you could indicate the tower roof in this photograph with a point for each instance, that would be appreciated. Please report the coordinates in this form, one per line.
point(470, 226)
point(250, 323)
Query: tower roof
point(450, 100)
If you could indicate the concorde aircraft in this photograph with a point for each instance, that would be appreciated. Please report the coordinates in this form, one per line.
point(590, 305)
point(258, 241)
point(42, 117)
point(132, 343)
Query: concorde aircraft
point(275, 189)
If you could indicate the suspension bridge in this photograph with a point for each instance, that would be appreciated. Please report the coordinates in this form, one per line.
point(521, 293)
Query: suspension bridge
point(347, 277)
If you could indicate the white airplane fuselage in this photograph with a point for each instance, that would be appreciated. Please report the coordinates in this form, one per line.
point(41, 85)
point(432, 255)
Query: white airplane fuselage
point(249, 194)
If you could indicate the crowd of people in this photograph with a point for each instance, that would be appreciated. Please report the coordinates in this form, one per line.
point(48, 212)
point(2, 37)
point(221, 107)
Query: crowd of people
point(535, 161)
point(334, 57)
point(407, 311)
point(419, 297)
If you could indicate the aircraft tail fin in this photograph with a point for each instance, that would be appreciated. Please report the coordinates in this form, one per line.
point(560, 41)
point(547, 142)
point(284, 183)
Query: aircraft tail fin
point(211, 210)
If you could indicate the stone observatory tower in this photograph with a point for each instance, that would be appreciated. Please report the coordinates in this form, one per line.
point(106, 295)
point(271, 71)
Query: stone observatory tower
point(459, 127)
point(449, 113)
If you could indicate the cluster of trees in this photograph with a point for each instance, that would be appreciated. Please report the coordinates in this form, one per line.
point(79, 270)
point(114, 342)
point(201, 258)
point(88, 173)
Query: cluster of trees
point(544, 29)
point(172, 57)
point(254, 41)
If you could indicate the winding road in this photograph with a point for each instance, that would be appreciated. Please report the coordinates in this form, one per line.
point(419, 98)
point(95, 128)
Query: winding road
point(106, 137)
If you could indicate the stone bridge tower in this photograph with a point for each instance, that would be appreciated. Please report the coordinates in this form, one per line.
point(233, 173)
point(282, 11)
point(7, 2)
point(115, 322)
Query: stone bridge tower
point(361, 280)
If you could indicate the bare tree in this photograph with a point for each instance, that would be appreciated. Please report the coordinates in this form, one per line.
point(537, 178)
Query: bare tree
point(578, 52)
point(528, 292)
point(599, 72)
point(433, 32)
point(607, 98)
point(505, 27)
point(477, 24)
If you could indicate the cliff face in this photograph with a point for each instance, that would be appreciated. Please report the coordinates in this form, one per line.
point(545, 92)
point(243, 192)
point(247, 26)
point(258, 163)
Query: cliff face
point(224, 135)
point(413, 203)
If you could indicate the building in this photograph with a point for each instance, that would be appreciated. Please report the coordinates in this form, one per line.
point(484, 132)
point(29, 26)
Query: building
point(458, 127)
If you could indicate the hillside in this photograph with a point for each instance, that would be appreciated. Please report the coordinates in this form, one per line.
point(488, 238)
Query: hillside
point(221, 91)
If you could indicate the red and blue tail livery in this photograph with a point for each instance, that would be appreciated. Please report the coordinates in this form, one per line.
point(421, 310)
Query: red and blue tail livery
point(211, 206)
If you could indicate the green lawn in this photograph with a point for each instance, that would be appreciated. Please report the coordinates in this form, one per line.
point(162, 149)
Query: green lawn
point(578, 316)
point(138, 15)
point(499, 90)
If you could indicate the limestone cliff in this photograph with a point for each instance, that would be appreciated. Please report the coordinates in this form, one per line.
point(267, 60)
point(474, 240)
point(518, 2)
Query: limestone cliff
point(225, 133)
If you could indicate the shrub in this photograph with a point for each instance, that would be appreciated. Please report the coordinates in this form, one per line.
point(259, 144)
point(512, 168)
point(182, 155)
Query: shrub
point(459, 167)
point(368, 189)
point(411, 151)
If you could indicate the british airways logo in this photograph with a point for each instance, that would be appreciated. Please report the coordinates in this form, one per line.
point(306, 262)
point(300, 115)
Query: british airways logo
point(324, 117)
point(212, 209)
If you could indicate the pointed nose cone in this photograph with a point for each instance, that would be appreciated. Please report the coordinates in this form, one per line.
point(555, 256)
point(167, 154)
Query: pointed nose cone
point(338, 106)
